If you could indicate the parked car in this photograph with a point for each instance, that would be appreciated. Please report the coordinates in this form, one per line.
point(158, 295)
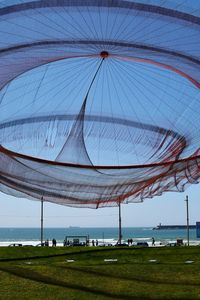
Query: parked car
point(40, 245)
point(178, 242)
point(122, 244)
point(142, 244)
point(15, 245)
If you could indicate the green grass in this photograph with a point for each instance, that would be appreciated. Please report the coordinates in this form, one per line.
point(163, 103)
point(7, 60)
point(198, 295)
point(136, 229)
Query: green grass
point(145, 273)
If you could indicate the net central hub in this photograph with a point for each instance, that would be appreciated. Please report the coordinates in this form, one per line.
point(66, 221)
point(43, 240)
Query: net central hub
point(104, 54)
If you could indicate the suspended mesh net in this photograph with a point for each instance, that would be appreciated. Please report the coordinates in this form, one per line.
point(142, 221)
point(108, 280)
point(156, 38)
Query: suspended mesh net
point(99, 100)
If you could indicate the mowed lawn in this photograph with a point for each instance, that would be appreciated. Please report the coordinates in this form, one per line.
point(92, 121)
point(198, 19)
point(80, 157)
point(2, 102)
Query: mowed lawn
point(99, 273)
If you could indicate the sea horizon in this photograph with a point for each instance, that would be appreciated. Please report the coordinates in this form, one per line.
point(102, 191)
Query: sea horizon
point(32, 235)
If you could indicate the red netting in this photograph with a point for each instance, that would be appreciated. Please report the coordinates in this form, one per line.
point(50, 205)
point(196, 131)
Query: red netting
point(99, 100)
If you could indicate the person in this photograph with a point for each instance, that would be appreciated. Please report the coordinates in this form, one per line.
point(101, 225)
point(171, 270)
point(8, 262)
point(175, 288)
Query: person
point(54, 243)
point(46, 243)
point(153, 241)
point(92, 242)
point(96, 242)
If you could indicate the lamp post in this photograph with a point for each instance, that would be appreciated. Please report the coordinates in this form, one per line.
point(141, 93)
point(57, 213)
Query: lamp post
point(41, 229)
point(187, 211)
point(120, 225)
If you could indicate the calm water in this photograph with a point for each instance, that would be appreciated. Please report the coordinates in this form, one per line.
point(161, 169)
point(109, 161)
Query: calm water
point(143, 233)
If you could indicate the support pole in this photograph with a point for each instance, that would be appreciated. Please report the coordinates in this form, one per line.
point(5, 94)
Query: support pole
point(120, 225)
point(188, 232)
point(41, 229)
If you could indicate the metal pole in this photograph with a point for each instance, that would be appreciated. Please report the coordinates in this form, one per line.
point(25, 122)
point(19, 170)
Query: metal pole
point(120, 225)
point(187, 209)
point(41, 231)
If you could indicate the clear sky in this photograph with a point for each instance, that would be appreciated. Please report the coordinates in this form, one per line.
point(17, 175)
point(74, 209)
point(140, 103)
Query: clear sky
point(169, 208)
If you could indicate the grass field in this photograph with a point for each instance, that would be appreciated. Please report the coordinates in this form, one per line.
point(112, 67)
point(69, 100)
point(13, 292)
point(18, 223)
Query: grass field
point(99, 273)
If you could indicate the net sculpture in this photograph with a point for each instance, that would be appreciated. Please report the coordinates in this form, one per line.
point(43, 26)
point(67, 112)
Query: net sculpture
point(99, 99)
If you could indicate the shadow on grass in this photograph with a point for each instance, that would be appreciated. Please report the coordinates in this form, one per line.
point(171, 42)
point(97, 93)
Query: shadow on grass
point(23, 273)
point(37, 277)
point(82, 252)
point(139, 279)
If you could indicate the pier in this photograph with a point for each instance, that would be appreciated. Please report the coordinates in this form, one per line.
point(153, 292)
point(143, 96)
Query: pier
point(160, 227)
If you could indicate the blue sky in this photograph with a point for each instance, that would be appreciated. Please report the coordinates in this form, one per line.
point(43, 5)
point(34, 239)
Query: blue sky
point(169, 208)
point(37, 92)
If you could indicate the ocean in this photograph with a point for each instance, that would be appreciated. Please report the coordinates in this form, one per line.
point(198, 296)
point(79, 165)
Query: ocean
point(104, 235)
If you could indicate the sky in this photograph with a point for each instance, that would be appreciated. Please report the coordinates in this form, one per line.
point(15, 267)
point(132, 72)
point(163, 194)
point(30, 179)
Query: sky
point(170, 208)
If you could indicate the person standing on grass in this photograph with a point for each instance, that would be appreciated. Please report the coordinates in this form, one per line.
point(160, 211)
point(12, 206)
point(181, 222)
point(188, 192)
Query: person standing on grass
point(54, 242)
point(153, 241)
